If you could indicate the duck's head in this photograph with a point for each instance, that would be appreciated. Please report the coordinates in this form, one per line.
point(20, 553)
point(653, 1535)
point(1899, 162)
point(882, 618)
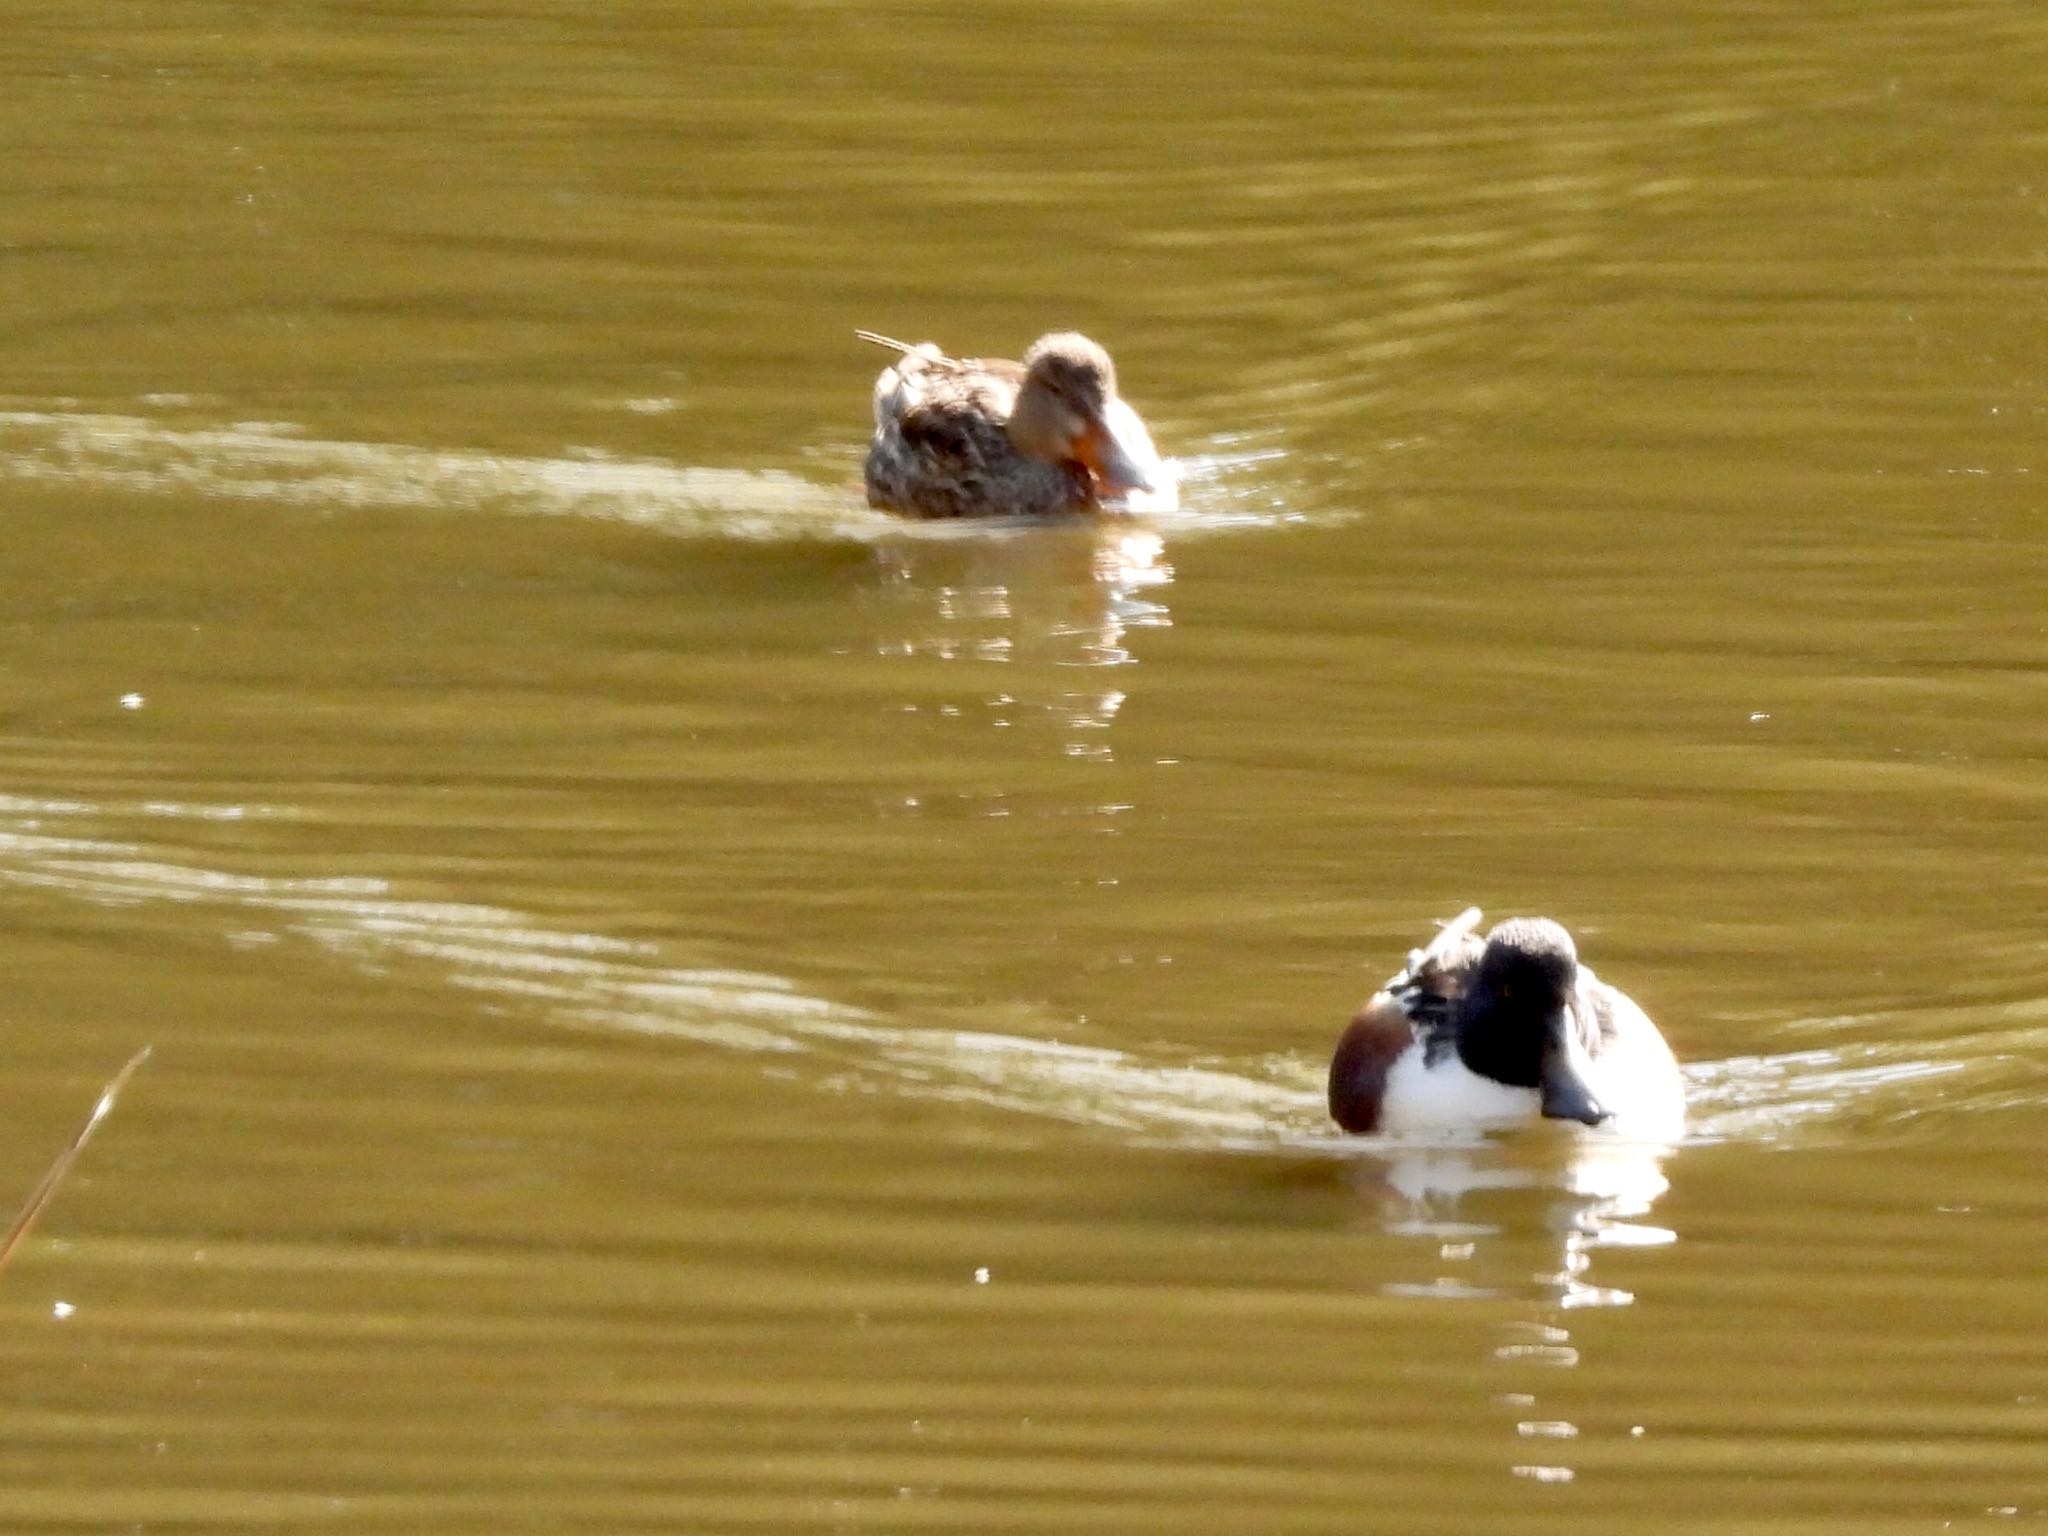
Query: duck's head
point(1516, 1024)
point(1068, 412)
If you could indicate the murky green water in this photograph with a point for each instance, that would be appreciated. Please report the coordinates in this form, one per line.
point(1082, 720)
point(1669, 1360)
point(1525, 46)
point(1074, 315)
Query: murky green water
point(681, 1005)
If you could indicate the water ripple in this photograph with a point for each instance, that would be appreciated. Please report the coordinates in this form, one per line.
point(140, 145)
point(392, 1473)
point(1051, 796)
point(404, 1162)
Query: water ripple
point(590, 981)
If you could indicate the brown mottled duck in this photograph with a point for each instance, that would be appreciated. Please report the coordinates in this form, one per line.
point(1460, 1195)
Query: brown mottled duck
point(985, 437)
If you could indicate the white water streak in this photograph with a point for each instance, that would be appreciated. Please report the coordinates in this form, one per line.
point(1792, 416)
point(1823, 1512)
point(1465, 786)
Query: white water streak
point(271, 462)
point(593, 982)
point(275, 463)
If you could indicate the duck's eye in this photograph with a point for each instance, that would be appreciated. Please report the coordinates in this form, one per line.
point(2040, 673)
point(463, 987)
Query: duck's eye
point(1506, 989)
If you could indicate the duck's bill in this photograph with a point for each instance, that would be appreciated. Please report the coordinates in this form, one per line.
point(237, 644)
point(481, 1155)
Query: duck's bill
point(1119, 453)
point(1566, 1094)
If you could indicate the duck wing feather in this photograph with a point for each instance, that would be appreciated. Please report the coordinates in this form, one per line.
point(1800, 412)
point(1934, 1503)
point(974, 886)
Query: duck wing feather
point(1414, 1005)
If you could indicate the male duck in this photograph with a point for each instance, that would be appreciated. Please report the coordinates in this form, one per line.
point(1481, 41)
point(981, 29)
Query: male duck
point(981, 437)
point(1481, 1032)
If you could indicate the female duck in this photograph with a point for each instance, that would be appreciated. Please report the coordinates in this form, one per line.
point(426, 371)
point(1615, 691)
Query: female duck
point(982, 437)
point(1488, 1032)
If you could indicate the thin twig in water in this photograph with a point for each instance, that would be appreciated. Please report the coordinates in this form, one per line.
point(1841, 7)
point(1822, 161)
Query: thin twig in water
point(47, 1190)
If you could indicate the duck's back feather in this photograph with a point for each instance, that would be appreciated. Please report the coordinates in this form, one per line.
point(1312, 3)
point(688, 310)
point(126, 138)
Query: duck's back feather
point(940, 447)
point(1438, 975)
point(1411, 1008)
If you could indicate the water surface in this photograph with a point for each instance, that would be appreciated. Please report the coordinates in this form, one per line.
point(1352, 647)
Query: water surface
point(682, 1004)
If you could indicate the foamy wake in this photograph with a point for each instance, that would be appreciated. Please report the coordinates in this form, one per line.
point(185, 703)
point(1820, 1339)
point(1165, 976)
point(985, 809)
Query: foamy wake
point(273, 462)
point(276, 463)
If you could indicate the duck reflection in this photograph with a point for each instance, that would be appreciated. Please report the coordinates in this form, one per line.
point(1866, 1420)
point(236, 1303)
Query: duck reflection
point(1467, 1207)
point(1442, 1194)
point(1057, 603)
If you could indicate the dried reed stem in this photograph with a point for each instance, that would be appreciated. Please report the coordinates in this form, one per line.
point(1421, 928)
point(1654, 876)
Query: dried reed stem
point(46, 1191)
point(885, 341)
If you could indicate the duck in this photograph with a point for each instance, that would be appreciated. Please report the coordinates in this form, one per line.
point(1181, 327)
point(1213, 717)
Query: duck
point(986, 437)
point(1510, 1028)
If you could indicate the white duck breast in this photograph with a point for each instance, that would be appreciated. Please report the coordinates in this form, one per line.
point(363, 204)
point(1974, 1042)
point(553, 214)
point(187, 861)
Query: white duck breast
point(1448, 1096)
point(1634, 1075)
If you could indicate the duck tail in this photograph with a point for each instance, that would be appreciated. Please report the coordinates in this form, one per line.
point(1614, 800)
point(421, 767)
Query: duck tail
point(1446, 942)
point(886, 341)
